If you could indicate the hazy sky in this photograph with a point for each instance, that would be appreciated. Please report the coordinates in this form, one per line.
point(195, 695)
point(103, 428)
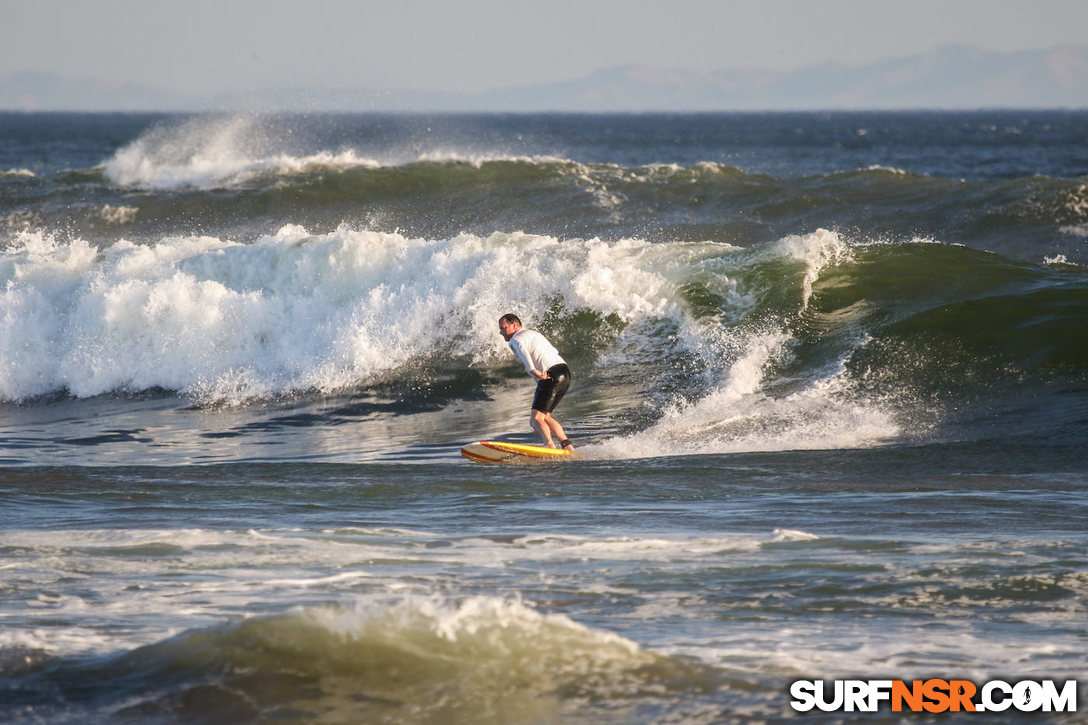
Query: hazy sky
point(476, 45)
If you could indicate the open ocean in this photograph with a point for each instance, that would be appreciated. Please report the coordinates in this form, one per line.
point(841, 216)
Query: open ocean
point(830, 391)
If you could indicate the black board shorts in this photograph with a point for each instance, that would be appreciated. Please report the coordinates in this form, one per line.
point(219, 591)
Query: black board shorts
point(549, 392)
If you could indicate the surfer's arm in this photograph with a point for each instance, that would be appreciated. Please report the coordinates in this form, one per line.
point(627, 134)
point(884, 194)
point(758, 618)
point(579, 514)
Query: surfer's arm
point(523, 356)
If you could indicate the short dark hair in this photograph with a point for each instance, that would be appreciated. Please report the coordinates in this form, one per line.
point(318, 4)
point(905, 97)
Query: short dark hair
point(511, 318)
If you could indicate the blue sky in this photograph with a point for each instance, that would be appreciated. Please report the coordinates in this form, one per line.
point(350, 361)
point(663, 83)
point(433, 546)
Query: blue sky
point(478, 45)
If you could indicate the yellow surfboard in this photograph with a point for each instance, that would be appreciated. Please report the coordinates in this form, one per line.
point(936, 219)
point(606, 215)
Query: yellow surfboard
point(500, 452)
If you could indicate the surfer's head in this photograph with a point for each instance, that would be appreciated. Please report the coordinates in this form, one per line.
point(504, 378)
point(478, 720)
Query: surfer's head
point(508, 325)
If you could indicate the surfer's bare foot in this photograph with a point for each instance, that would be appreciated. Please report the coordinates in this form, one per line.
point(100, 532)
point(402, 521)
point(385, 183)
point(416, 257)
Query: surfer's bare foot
point(567, 445)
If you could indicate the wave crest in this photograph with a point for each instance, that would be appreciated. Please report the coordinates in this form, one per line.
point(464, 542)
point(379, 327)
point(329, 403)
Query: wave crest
point(479, 660)
point(225, 322)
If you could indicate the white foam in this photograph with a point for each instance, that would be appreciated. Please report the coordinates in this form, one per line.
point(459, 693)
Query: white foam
point(118, 214)
point(817, 251)
point(445, 155)
point(1076, 200)
point(96, 591)
point(465, 619)
point(1058, 259)
point(739, 412)
point(888, 169)
point(633, 548)
point(793, 535)
point(138, 583)
point(225, 322)
point(740, 415)
point(222, 321)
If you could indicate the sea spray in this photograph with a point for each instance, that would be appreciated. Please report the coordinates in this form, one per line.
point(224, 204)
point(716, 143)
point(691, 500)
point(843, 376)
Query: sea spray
point(216, 152)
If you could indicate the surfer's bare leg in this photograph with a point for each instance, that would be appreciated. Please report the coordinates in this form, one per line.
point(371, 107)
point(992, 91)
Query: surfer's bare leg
point(557, 430)
point(539, 421)
point(549, 430)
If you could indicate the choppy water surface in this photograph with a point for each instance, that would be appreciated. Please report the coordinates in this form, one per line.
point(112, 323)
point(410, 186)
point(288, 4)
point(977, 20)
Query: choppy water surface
point(830, 395)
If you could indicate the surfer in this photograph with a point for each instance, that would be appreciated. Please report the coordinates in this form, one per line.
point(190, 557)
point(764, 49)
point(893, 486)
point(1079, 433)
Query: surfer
point(543, 362)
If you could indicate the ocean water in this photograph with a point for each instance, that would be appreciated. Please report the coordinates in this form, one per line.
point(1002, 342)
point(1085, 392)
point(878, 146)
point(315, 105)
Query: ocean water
point(831, 400)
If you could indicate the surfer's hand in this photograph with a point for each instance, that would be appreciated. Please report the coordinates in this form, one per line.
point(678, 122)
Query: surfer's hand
point(541, 375)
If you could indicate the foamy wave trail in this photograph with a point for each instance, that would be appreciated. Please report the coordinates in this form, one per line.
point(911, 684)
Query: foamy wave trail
point(210, 153)
point(479, 660)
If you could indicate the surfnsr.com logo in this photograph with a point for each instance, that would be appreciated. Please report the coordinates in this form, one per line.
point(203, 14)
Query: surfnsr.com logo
point(934, 696)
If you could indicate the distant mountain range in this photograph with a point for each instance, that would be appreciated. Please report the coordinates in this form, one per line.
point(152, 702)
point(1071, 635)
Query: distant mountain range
point(948, 77)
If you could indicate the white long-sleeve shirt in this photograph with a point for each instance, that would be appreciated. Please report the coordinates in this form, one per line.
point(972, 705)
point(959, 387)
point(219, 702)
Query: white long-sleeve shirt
point(534, 351)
